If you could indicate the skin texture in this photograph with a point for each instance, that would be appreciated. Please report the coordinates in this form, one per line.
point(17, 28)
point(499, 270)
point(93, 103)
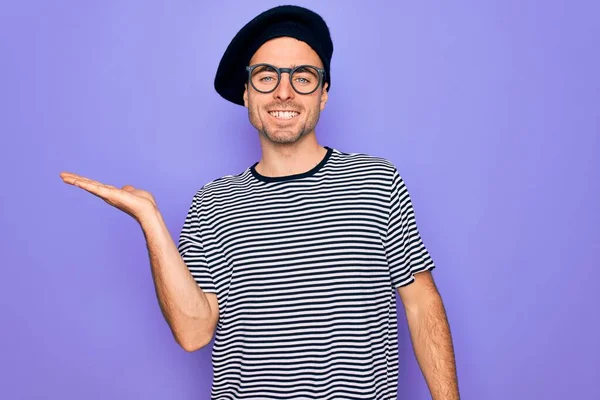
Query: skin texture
point(430, 335)
point(288, 147)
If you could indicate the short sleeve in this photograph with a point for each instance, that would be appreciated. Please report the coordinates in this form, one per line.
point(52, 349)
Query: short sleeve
point(191, 249)
point(406, 253)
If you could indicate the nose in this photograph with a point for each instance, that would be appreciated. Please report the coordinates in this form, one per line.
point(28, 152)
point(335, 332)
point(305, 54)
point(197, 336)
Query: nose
point(284, 90)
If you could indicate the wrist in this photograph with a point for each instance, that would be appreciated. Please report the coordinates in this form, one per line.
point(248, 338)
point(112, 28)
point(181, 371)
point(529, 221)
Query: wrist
point(149, 218)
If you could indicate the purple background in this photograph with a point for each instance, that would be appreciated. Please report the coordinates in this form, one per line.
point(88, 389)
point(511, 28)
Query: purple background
point(490, 110)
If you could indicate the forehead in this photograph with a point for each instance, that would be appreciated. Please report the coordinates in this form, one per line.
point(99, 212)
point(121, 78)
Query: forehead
point(286, 52)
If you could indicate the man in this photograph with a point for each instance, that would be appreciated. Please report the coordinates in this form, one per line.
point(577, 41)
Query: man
point(292, 265)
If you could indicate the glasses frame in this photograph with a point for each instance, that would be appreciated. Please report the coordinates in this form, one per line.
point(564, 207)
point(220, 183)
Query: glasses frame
point(290, 72)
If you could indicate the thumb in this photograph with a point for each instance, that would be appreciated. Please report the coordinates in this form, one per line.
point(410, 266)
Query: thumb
point(128, 188)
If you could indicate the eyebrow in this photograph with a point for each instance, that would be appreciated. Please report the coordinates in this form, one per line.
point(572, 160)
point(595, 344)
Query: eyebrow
point(264, 67)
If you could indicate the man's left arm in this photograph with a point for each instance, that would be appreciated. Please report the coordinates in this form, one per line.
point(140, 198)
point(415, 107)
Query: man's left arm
point(430, 335)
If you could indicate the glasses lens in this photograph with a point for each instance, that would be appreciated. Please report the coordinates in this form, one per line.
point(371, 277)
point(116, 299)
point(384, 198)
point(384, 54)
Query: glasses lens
point(305, 79)
point(264, 78)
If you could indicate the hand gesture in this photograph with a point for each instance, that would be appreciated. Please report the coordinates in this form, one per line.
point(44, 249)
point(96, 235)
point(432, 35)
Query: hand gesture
point(135, 202)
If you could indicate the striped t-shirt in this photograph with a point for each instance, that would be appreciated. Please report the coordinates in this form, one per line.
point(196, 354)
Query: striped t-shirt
point(305, 268)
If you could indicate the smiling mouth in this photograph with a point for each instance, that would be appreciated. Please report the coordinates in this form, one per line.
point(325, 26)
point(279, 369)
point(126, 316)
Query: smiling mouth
point(284, 114)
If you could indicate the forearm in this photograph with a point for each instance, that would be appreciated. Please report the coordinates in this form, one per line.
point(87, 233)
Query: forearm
point(183, 304)
point(432, 343)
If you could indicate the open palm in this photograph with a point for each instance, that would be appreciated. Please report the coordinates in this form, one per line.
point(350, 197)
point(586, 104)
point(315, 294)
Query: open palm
point(134, 202)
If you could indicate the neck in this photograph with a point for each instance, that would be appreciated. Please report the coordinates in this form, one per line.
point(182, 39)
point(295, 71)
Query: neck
point(289, 159)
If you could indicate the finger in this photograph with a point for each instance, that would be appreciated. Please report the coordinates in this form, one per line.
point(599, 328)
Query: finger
point(72, 175)
point(70, 178)
point(100, 190)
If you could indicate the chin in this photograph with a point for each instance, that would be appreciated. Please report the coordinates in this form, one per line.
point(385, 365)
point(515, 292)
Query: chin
point(284, 131)
point(282, 135)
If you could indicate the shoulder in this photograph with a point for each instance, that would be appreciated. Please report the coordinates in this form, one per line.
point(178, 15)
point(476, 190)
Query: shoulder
point(369, 163)
point(222, 187)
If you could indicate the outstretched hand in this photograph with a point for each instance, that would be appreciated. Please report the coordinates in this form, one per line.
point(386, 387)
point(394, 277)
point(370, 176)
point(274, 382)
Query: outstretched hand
point(135, 202)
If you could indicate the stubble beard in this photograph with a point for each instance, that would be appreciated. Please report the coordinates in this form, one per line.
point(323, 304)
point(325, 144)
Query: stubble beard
point(284, 135)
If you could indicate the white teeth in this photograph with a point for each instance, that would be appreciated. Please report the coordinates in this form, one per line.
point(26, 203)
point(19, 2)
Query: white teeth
point(283, 114)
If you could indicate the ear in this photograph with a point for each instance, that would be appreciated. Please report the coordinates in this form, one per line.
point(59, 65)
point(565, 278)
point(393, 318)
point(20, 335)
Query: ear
point(246, 95)
point(324, 96)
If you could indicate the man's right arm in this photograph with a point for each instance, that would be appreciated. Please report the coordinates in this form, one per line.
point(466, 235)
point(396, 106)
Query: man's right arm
point(191, 314)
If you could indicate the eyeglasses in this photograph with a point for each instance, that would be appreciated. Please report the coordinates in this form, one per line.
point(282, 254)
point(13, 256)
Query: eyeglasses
point(305, 79)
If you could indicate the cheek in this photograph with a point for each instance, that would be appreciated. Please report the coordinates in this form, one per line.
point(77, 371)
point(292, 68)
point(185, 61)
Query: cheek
point(257, 107)
point(257, 113)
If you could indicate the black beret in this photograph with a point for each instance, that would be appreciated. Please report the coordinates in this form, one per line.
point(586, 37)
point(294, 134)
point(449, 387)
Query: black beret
point(292, 21)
